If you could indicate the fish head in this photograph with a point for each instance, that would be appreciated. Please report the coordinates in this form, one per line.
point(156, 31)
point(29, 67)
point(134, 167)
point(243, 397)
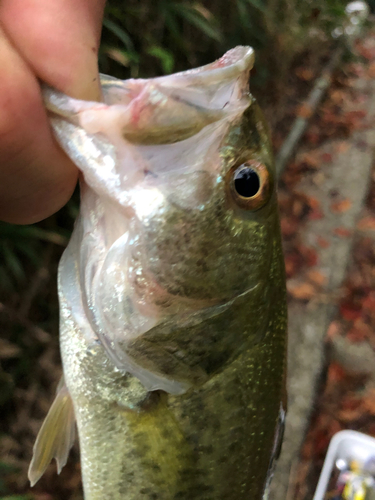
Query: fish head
point(204, 214)
point(178, 196)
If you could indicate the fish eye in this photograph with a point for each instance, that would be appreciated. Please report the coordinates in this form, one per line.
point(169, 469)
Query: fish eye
point(246, 182)
point(250, 185)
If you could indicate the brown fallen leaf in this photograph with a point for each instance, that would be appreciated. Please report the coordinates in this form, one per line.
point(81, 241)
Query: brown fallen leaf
point(351, 402)
point(355, 115)
point(342, 206)
point(333, 329)
point(310, 256)
point(313, 135)
point(301, 291)
point(293, 263)
point(342, 232)
point(291, 178)
point(289, 226)
point(367, 223)
point(366, 52)
point(317, 277)
point(349, 415)
point(308, 161)
point(316, 214)
point(350, 311)
point(304, 74)
point(336, 373)
point(359, 332)
point(369, 302)
point(338, 96)
point(322, 242)
point(300, 207)
point(325, 435)
point(342, 147)
point(290, 266)
point(313, 202)
point(304, 111)
point(326, 157)
point(368, 401)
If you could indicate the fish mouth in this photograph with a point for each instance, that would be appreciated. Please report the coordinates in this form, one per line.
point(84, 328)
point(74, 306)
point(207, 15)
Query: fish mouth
point(162, 110)
point(172, 108)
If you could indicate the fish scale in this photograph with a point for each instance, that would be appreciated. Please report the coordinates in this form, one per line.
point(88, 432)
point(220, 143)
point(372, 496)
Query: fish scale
point(172, 298)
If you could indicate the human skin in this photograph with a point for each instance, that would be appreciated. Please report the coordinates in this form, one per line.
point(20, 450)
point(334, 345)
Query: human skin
point(55, 42)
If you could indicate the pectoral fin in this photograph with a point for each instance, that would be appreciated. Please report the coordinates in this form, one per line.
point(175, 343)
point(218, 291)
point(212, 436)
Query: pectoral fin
point(55, 437)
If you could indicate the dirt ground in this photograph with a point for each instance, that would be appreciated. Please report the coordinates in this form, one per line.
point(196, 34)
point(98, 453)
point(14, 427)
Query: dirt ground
point(327, 201)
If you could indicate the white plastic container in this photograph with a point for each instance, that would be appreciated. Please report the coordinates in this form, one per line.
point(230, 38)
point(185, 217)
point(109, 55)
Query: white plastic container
point(347, 446)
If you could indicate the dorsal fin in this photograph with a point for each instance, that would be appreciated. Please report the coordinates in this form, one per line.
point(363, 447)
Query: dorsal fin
point(56, 436)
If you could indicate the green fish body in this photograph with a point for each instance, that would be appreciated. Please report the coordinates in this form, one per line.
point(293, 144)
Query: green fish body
point(172, 291)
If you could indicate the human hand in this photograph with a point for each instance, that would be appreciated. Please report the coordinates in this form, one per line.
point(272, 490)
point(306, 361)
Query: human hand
point(54, 41)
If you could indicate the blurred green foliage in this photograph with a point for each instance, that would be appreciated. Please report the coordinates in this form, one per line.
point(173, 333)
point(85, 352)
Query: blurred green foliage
point(20, 245)
point(148, 37)
point(144, 38)
point(6, 469)
point(17, 497)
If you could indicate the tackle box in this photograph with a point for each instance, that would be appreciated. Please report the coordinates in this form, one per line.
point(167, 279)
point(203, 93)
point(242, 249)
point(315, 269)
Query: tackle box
point(346, 447)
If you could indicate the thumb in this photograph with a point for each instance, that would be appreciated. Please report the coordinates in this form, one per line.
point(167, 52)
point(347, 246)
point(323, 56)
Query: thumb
point(59, 40)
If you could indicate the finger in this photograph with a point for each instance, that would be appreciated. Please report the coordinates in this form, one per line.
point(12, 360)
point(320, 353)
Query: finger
point(36, 177)
point(59, 39)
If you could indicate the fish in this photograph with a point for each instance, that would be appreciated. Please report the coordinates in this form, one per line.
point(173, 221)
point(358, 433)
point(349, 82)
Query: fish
point(172, 290)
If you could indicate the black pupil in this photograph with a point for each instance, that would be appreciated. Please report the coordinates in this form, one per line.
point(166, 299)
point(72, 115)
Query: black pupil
point(246, 182)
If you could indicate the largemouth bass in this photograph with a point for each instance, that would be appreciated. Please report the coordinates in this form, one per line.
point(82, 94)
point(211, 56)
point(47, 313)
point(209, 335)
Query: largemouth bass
point(172, 293)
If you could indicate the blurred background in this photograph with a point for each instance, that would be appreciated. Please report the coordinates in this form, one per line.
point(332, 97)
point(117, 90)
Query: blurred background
point(294, 41)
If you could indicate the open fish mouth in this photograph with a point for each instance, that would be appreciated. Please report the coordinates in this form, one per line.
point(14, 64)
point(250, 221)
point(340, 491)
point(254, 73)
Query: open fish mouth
point(166, 109)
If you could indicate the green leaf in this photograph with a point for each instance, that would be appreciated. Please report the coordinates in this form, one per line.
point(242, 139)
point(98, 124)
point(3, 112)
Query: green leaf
point(16, 497)
point(165, 56)
point(194, 17)
point(171, 24)
point(31, 252)
point(244, 17)
point(12, 262)
point(120, 33)
point(72, 209)
point(58, 238)
point(257, 4)
point(6, 468)
point(6, 282)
